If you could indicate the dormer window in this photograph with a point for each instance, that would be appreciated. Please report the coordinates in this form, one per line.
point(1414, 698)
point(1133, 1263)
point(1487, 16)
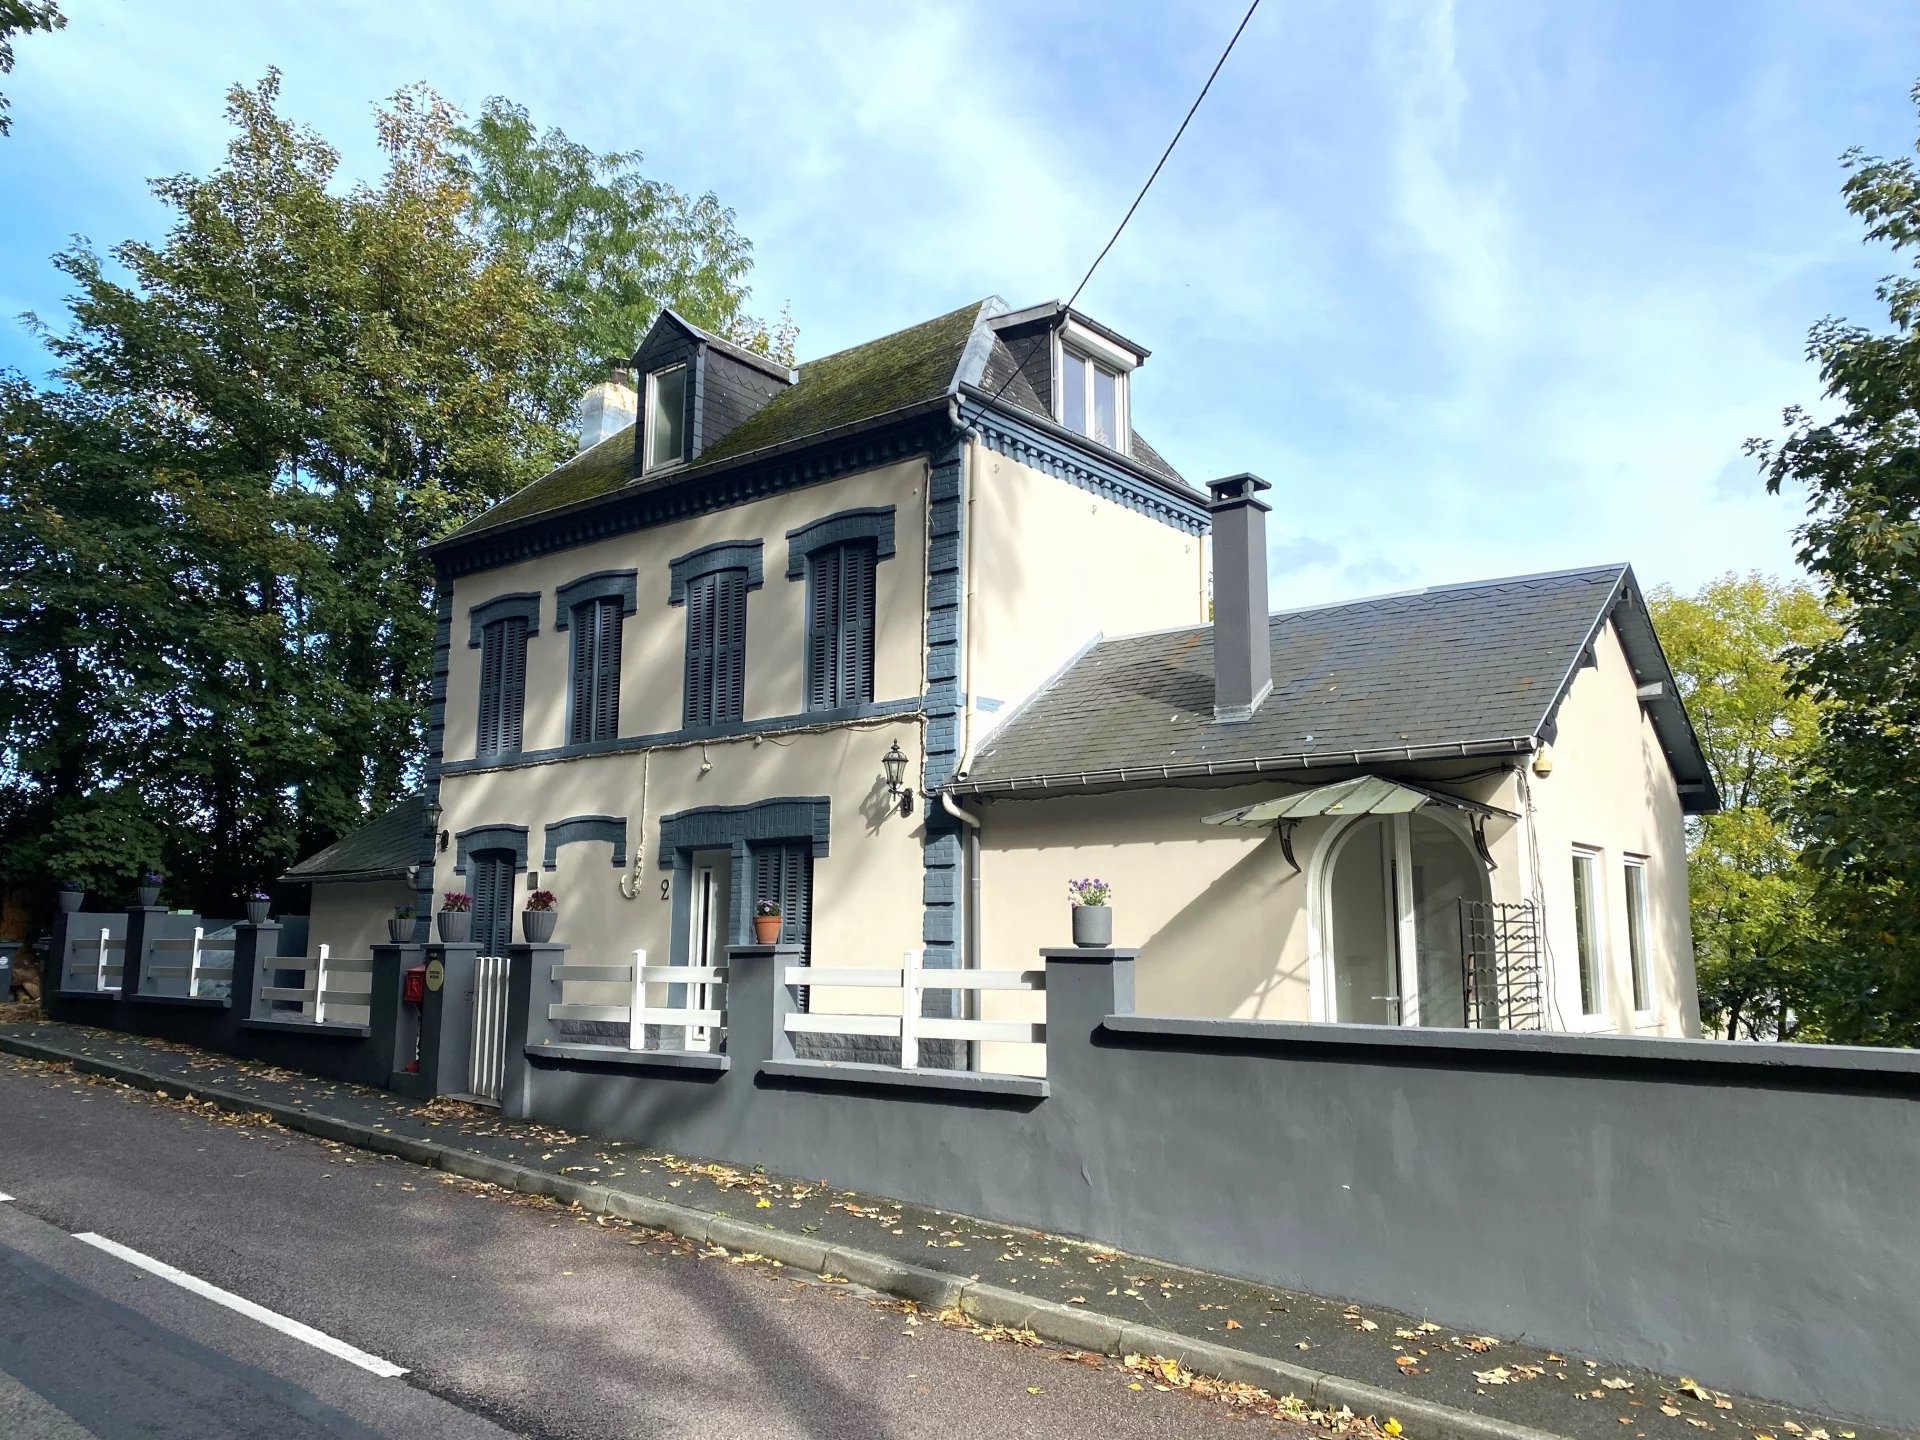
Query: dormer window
point(666, 416)
point(1090, 394)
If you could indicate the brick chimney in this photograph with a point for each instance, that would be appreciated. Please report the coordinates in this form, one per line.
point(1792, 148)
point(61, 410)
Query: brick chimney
point(1242, 660)
point(609, 407)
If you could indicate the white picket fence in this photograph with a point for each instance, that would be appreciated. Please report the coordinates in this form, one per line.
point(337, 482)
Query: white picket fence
point(202, 966)
point(316, 992)
point(700, 1011)
point(909, 981)
point(92, 961)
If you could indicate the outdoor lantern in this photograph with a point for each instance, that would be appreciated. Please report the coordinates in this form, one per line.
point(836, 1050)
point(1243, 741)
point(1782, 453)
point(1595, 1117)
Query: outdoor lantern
point(434, 812)
point(894, 762)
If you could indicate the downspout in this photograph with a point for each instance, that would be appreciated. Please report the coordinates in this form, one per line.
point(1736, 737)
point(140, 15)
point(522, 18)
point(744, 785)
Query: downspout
point(970, 910)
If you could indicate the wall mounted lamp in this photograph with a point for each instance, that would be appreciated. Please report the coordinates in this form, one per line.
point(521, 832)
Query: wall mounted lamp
point(894, 764)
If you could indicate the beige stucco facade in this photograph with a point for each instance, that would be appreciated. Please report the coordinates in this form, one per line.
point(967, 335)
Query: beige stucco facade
point(350, 916)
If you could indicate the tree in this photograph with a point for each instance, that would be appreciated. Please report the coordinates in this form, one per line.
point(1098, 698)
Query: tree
point(612, 246)
point(22, 17)
point(1860, 467)
point(1756, 940)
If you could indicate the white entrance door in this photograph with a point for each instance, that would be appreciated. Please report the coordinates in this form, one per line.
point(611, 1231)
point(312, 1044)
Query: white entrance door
point(707, 931)
point(1391, 921)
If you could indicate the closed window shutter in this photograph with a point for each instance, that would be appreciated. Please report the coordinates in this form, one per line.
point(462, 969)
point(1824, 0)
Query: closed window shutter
point(783, 875)
point(580, 729)
point(730, 645)
point(698, 709)
point(857, 609)
point(492, 927)
point(823, 622)
point(606, 706)
point(513, 684)
point(492, 639)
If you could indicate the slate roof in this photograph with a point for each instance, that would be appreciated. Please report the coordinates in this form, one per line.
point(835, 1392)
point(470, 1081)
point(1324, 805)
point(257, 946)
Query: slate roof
point(1475, 669)
point(918, 366)
point(382, 849)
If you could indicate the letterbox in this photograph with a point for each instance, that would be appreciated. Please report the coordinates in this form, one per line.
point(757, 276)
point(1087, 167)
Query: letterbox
point(413, 985)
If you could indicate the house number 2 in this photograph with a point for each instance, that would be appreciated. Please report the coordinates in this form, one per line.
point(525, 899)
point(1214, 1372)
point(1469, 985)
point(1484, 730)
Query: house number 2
point(666, 888)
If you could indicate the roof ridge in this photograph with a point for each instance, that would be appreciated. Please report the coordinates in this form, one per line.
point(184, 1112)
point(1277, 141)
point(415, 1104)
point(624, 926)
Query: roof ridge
point(891, 334)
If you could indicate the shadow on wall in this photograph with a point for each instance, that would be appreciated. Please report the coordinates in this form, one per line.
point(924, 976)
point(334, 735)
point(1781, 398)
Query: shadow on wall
point(1235, 947)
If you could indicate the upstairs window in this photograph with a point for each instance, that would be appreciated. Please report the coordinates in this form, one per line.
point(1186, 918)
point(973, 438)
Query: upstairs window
point(503, 685)
point(840, 608)
point(595, 692)
point(1636, 876)
point(1092, 398)
point(666, 416)
point(716, 647)
point(1586, 933)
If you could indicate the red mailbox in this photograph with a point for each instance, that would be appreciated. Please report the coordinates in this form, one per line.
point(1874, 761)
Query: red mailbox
point(413, 985)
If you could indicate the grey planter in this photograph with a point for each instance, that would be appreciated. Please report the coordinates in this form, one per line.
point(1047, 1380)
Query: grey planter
point(538, 925)
point(399, 931)
point(149, 894)
point(70, 901)
point(257, 911)
point(1093, 926)
point(454, 926)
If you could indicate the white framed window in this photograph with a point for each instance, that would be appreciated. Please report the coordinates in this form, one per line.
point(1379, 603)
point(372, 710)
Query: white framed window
point(1635, 873)
point(1090, 385)
point(666, 416)
point(1586, 933)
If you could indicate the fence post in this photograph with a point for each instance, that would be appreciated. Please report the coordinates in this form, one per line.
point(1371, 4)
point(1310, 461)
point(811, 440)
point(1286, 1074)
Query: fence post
point(447, 1021)
point(1083, 988)
point(254, 950)
point(758, 1003)
point(637, 1007)
point(319, 973)
point(910, 963)
point(387, 1027)
point(193, 963)
point(531, 988)
point(100, 963)
point(143, 926)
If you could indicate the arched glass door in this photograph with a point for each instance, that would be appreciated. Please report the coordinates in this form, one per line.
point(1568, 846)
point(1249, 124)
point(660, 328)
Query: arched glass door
point(1391, 925)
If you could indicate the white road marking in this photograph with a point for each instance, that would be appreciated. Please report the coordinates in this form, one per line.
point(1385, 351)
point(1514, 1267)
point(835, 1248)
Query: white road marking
point(313, 1337)
point(5, 1199)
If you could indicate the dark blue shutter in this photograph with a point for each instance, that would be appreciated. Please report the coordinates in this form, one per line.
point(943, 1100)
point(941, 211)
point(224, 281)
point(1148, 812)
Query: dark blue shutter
point(783, 874)
point(492, 880)
point(492, 640)
point(856, 609)
point(513, 683)
point(580, 728)
point(606, 699)
point(729, 645)
point(698, 708)
point(823, 621)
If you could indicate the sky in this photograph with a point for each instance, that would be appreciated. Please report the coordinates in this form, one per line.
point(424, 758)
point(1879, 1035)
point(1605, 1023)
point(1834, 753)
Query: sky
point(1482, 289)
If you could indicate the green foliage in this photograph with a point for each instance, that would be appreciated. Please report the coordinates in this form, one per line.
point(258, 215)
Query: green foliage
point(1756, 940)
point(1859, 465)
point(610, 245)
point(22, 17)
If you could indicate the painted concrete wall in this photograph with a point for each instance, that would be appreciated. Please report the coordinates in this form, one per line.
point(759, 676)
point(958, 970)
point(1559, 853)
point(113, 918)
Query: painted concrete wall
point(350, 916)
point(1055, 565)
point(654, 637)
point(1598, 1194)
point(1611, 790)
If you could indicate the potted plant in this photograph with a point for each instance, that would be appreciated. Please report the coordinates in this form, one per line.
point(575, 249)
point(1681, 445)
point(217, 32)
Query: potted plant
point(400, 925)
point(150, 883)
point(72, 892)
point(537, 920)
point(766, 923)
point(256, 901)
point(454, 917)
point(1092, 915)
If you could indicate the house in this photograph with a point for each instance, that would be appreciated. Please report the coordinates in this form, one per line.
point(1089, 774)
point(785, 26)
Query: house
point(671, 674)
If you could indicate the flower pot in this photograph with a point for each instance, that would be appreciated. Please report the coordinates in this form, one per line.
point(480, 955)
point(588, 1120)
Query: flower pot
point(149, 895)
point(1093, 926)
point(400, 932)
point(766, 929)
point(537, 925)
point(453, 926)
point(70, 901)
point(257, 912)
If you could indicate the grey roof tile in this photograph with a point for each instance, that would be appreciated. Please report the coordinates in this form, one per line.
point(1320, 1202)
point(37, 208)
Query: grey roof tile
point(383, 848)
point(1458, 668)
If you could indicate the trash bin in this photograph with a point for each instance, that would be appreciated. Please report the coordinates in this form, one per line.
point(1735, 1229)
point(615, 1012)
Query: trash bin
point(8, 949)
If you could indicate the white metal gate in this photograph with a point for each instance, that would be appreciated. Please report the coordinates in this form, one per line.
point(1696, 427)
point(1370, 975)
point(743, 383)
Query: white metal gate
point(487, 1055)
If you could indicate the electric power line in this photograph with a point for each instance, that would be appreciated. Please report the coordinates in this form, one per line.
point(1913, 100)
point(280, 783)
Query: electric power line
point(1192, 110)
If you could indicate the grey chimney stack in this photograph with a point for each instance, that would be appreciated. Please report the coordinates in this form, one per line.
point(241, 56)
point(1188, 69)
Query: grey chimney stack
point(1242, 659)
point(609, 407)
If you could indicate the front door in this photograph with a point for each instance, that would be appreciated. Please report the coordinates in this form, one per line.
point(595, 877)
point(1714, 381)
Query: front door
point(707, 937)
point(492, 874)
point(1391, 921)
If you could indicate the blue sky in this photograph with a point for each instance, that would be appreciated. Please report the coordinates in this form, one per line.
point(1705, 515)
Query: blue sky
point(1481, 289)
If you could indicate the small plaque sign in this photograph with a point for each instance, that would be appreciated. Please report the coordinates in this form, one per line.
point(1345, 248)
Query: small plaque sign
point(436, 974)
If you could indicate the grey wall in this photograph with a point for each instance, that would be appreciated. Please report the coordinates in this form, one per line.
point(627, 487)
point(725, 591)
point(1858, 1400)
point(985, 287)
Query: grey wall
point(1741, 1213)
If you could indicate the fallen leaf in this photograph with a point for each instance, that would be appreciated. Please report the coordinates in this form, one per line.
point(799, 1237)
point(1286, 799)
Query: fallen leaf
point(1499, 1375)
point(1405, 1362)
point(1617, 1382)
point(1392, 1426)
point(1429, 1327)
point(763, 1203)
point(1694, 1388)
point(1301, 1345)
point(1035, 1390)
point(1669, 1410)
point(1233, 1325)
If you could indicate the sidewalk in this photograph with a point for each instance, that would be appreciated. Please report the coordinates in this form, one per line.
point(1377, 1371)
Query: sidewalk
point(1435, 1380)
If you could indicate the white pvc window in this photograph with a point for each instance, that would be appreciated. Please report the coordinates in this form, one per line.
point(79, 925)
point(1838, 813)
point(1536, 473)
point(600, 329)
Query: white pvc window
point(1093, 398)
point(1586, 925)
point(1636, 878)
point(666, 416)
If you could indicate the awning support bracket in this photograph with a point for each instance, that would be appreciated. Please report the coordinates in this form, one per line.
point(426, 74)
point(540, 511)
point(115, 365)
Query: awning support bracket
point(1285, 830)
point(1478, 824)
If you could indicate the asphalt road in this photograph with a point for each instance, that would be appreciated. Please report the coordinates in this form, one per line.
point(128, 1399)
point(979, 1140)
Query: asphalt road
point(509, 1316)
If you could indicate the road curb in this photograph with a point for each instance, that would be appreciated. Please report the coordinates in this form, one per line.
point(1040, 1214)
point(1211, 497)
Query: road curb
point(1069, 1325)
